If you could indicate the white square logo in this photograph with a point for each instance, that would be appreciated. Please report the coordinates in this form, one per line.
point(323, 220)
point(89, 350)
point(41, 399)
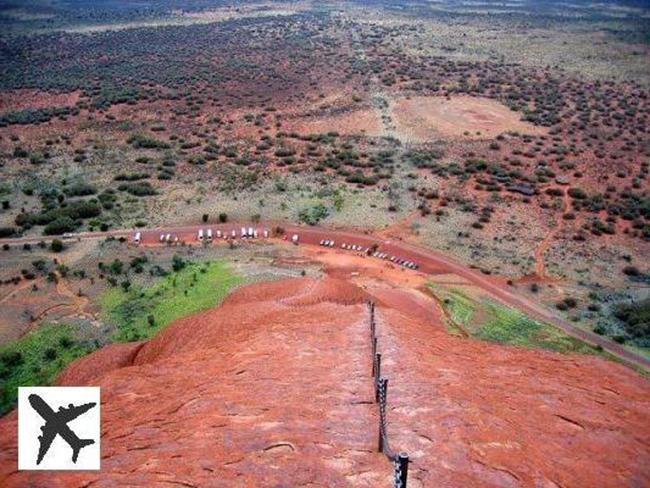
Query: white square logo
point(58, 427)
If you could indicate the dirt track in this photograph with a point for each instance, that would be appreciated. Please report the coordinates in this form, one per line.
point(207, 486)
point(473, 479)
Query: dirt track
point(430, 262)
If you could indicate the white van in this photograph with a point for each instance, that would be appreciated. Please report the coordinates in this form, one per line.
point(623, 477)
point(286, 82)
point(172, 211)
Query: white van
point(250, 232)
point(162, 237)
point(209, 234)
point(294, 238)
point(137, 237)
point(266, 233)
point(218, 234)
point(168, 237)
point(233, 233)
point(243, 233)
point(200, 236)
point(255, 233)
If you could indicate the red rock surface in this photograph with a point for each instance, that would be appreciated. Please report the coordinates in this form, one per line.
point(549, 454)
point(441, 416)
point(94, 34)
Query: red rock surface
point(273, 388)
point(85, 369)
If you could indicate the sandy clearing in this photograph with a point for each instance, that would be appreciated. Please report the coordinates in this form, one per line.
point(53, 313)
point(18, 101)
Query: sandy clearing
point(422, 119)
point(364, 121)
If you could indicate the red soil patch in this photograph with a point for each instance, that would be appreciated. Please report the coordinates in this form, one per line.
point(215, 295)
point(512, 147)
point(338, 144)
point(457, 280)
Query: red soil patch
point(422, 119)
point(355, 122)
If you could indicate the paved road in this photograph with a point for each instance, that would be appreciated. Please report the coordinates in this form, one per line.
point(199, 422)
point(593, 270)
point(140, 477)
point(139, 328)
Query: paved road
point(430, 262)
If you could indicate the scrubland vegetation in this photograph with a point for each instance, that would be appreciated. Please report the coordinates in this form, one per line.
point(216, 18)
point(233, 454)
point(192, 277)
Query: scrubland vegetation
point(36, 359)
point(189, 288)
point(123, 117)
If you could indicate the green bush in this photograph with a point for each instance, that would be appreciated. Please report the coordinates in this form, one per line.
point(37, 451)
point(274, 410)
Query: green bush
point(8, 231)
point(60, 226)
point(80, 190)
point(314, 214)
point(138, 189)
point(144, 142)
point(635, 317)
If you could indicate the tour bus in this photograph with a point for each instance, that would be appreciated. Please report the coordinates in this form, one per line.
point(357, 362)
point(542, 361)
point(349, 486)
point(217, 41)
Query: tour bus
point(200, 236)
point(209, 234)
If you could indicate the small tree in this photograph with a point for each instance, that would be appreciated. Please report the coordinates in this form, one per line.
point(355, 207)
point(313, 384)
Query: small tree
point(56, 245)
point(205, 218)
point(223, 218)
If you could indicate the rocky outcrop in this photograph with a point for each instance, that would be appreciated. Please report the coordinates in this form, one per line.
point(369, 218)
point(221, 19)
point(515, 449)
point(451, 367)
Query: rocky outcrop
point(273, 388)
point(85, 369)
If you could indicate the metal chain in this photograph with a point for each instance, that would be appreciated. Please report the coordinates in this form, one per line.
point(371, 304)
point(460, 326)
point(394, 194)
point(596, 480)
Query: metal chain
point(400, 462)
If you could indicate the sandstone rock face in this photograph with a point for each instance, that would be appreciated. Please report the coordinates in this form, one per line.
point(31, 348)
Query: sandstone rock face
point(85, 369)
point(273, 388)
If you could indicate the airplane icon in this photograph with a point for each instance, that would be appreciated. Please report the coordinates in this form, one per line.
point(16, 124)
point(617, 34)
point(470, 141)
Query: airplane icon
point(56, 424)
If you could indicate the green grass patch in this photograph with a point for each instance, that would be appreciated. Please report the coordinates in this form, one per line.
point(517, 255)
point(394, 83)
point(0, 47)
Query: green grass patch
point(459, 306)
point(510, 326)
point(140, 313)
point(36, 359)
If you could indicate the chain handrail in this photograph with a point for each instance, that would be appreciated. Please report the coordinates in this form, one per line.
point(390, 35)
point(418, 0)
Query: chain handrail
point(401, 460)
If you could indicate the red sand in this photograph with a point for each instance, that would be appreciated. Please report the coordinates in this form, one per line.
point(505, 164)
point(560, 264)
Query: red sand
point(275, 385)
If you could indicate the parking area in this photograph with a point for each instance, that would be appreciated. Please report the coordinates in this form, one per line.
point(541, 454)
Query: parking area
point(372, 251)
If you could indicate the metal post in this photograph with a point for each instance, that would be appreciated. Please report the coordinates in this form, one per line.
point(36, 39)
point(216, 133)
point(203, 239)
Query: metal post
point(382, 388)
point(377, 375)
point(403, 460)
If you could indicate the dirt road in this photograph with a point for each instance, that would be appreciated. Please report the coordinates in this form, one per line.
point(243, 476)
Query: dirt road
point(429, 261)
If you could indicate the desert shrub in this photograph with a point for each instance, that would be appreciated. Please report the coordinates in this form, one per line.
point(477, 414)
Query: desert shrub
point(50, 354)
point(635, 317)
point(313, 214)
point(107, 199)
point(577, 193)
point(223, 218)
point(631, 271)
point(131, 176)
point(144, 142)
point(11, 359)
point(56, 246)
point(196, 160)
point(80, 190)
point(555, 192)
point(60, 225)
point(8, 231)
point(143, 189)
